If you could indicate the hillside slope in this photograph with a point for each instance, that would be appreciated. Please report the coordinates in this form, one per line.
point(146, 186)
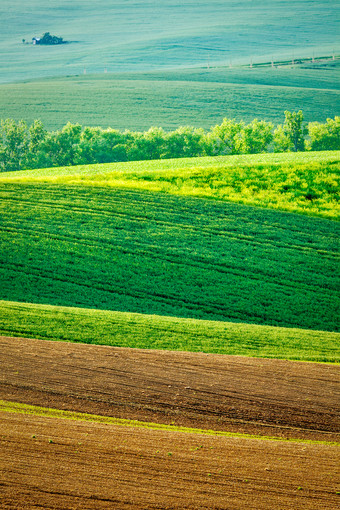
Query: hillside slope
point(144, 34)
point(303, 182)
point(143, 331)
point(154, 253)
point(196, 390)
point(201, 99)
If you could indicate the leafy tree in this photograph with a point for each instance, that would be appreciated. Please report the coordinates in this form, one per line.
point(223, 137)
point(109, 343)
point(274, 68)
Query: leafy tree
point(116, 145)
point(324, 137)
point(62, 147)
point(255, 137)
point(147, 145)
point(35, 155)
point(37, 134)
point(102, 146)
point(14, 139)
point(289, 136)
point(224, 138)
point(186, 142)
point(88, 145)
point(49, 39)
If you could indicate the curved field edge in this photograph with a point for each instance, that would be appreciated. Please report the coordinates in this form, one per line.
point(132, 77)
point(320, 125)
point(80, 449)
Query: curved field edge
point(19, 408)
point(305, 183)
point(133, 330)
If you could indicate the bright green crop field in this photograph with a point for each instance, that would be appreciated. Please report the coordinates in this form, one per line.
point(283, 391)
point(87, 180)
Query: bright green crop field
point(155, 253)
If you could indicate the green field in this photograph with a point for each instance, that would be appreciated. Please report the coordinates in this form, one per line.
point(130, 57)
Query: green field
point(170, 99)
point(307, 183)
point(139, 35)
point(155, 253)
point(168, 63)
point(124, 265)
point(173, 254)
point(123, 329)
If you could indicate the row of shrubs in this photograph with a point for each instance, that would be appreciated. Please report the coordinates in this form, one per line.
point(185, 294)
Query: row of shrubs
point(28, 147)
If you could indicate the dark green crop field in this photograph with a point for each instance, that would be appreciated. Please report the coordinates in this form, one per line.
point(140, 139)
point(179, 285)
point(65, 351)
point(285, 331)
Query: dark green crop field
point(154, 253)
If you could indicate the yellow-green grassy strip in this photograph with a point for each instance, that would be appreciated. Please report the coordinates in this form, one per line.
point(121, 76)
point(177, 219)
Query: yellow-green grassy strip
point(47, 412)
point(101, 169)
point(305, 183)
point(134, 330)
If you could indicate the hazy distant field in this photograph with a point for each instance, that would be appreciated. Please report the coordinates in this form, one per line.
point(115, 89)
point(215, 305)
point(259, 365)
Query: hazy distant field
point(145, 34)
point(155, 42)
point(200, 98)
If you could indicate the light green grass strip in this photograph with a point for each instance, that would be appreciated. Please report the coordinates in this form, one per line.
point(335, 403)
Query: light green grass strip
point(133, 330)
point(15, 407)
point(91, 172)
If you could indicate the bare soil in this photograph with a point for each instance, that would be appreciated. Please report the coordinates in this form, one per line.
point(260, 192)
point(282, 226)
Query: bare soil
point(260, 396)
point(239, 394)
point(55, 463)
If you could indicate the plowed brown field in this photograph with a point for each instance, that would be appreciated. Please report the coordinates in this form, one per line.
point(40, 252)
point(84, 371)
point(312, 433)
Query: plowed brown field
point(262, 396)
point(77, 465)
point(57, 463)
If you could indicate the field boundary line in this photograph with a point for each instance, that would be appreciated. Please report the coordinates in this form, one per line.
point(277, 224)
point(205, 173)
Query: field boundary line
point(46, 412)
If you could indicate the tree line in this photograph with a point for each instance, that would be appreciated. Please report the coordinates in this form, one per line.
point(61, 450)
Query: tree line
point(28, 147)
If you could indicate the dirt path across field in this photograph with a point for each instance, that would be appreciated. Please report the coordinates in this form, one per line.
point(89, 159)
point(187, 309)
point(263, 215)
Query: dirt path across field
point(258, 396)
point(55, 463)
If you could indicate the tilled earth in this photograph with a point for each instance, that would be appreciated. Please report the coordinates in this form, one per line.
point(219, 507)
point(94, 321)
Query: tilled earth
point(58, 463)
point(262, 396)
point(61, 464)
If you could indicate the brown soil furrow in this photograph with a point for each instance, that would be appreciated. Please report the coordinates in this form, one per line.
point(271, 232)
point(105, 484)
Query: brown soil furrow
point(55, 463)
point(262, 396)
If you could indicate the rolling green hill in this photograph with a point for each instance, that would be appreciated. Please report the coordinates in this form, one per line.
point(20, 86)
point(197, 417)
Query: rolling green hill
point(123, 254)
point(168, 63)
point(200, 98)
point(139, 35)
point(133, 330)
point(154, 253)
point(305, 182)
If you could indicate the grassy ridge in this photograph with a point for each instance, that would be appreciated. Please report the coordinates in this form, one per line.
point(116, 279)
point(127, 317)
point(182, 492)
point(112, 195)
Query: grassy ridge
point(91, 172)
point(136, 251)
point(122, 329)
point(304, 182)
